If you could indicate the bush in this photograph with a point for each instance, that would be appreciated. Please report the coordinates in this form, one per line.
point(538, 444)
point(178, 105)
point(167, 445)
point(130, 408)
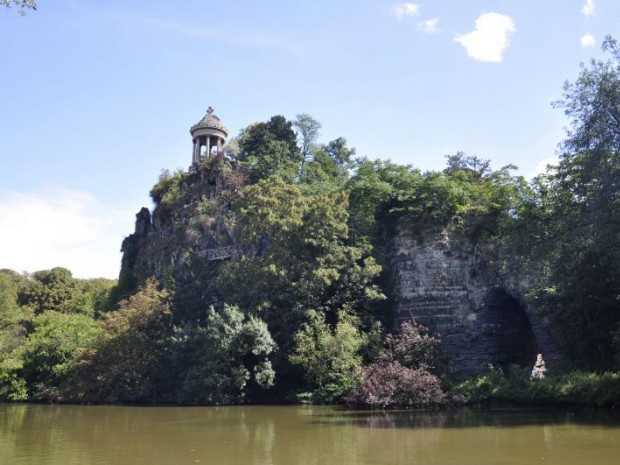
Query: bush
point(596, 389)
point(216, 360)
point(406, 373)
point(414, 347)
point(579, 388)
point(330, 356)
point(165, 183)
point(388, 384)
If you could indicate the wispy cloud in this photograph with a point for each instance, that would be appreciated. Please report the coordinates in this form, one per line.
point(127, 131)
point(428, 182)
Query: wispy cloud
point(588, 40)
point(490, 39)
point(205, 33)
point(405, 10)
point(429, 26)
point(55, 226)
point(589, 8)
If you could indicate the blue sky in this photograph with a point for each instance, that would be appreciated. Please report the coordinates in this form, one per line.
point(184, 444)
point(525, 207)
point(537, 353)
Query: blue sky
point(98, 97)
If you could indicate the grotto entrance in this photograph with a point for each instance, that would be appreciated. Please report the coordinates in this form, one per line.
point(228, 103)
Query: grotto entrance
point(508, 332)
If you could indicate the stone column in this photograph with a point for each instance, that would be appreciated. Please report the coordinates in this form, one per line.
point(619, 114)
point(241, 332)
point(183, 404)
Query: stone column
point(219, 147)
point(196, 154)
point(208, 147)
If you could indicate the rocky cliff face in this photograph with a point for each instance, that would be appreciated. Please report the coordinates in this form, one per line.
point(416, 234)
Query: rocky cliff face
point(443, 280)
point(192, 217)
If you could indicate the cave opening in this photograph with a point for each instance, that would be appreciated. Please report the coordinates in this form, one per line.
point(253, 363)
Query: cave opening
point(511, 340)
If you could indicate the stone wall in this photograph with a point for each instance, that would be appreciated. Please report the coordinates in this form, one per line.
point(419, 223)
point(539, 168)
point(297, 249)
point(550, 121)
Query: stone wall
point(443, 280)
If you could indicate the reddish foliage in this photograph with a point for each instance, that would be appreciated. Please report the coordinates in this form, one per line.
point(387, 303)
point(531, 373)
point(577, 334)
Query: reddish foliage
point(405, 374)
point(388, 384)
point(414, 347)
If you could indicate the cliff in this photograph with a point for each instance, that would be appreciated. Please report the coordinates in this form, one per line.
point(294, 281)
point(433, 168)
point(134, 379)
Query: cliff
point(192, 217)
point(441, 276)
point(444, 279)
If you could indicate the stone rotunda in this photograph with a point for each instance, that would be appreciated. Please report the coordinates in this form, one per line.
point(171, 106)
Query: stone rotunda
point(209, 133)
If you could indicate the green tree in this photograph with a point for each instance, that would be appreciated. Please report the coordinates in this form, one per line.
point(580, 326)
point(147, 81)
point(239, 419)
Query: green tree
point(331, 357)
point(328, 164)
point(125, 363)
point(374, 190)
point(269, 148)
point(97, 294)
point(297, 258)
point(581, 213)
point(220, 357)
point(275, 159)
point(50, 353)
point(52, 290)
point(309, 128)
point(12, 316)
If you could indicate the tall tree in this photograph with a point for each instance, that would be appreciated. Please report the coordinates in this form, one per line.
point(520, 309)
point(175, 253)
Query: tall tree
point(583, 196)
point(269, 148)
point(309, 128)
point(124, 364)
point(297, 258)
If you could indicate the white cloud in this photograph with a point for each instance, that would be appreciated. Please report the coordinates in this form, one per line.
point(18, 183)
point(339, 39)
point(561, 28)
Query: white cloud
point(490, 39)
point(55, 226)
point(587, 40)
point(429, 26)
point(405, 10)
point(541, 167)
point(589, 7)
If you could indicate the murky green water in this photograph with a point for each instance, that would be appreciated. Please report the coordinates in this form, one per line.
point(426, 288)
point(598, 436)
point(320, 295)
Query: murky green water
point(84, 435)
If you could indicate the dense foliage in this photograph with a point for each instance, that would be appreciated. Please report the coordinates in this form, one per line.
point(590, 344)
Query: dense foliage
point(299, 306)
point(518, 387)
point(406, 373)
point(125, 363)
point(331, 358)
point(569, 226)
point(220, 357)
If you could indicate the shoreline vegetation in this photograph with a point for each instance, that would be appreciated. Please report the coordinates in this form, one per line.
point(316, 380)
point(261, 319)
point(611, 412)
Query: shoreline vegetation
point(301, 307)
point(576, 389)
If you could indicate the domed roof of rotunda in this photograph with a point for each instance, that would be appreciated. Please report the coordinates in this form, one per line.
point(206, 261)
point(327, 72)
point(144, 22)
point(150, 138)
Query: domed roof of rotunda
point(210, 121)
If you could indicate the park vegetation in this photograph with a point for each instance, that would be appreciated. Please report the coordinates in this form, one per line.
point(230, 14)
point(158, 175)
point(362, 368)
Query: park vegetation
point(303, 312)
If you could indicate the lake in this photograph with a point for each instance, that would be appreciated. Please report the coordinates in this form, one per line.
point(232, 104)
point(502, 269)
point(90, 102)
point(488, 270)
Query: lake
point(285, 435)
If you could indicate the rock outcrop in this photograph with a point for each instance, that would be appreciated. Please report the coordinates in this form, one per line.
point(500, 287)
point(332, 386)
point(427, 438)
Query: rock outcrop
point(442, 277)
point(192, 217)
point(443, 280)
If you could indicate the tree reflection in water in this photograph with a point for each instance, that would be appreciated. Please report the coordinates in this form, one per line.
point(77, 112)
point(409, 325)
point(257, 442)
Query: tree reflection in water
point(262, 435)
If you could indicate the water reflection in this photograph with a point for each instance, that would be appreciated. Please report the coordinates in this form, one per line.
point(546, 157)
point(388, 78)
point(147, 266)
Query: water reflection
point(67, 435)
point(470, 418)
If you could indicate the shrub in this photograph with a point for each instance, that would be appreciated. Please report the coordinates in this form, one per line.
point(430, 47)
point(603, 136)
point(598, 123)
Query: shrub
point(596, 389)
point(414, 347)
point(330, 356)
point(166, 182)
point(216, 359)
point(388, 384)
point(580, 388)
point(405, 374)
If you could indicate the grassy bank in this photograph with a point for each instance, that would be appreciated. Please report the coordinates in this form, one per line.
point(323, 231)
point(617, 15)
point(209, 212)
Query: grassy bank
point(517, 387)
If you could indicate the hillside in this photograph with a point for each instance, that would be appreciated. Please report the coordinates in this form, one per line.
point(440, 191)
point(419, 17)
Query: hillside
point(278, 267)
